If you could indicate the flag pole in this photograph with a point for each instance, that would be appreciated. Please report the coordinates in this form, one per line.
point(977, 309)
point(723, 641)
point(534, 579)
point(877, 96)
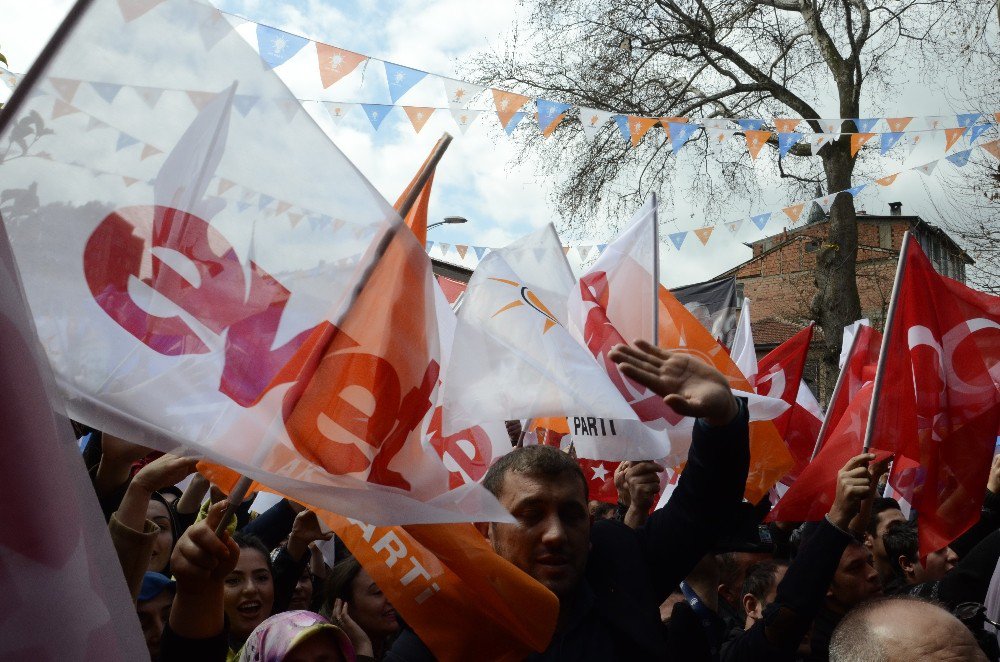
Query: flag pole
point(833, 398)
point(524, 432)
point(886, 334)
point(656, 274)
point(239, 491)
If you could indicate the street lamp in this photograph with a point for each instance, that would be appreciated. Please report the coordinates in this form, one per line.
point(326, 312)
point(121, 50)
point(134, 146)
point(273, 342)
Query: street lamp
point(448, 220)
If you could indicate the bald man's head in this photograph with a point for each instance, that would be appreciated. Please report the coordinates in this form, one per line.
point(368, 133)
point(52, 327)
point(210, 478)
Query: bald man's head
point(902, 629)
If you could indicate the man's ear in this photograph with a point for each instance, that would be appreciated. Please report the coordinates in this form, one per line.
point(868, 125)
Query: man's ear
point(750, 605)
point(907, 566)
point(483, 528)
point(869, 541)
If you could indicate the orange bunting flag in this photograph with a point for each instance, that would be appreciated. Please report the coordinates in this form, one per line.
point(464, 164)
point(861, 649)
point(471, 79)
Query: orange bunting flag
point(952, 136)
point(200, 99)
point(859, 139)
point(129, 181)
point(462, 250)
point(756, 140)
point(282, 207)
point(148, 151)
point(507, 104)
point(335, 63)
point(66, 87)
point(704, 233)
point(418, 116)
point(897, 123)
point(547, 131)
point(887, 180)
point(786, 125)
point(638, 126)
point(794, 211)
point(993, 147)
point(60, 108)
point(294, 218)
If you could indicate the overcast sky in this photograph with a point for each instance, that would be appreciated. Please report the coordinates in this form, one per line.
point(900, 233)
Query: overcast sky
point(477, 178)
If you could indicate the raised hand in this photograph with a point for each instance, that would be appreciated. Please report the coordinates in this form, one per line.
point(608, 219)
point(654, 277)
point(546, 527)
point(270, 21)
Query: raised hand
point(994, 483)
point(164, 471)
point(361, 642)
point(687, 385)
point(854, 485)
point(305, 529)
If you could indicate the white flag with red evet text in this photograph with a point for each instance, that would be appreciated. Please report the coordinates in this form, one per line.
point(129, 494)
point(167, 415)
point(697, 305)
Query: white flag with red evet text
point(64, 596)
point(179, 295)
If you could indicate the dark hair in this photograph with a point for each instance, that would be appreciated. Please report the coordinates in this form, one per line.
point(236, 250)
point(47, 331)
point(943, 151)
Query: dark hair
point(250, 541)
point(900, 539)
point(601, 509)
point(338, 583)
point(533, 461)
point(760, 579)
point(879, 506)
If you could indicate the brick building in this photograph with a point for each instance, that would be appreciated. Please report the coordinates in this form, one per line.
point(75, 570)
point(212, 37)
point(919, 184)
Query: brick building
point(779, 278)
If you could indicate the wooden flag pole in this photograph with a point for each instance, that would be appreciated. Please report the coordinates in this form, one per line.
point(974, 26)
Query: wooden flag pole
point(887, 333)
point(239, 491)
point(833, 398)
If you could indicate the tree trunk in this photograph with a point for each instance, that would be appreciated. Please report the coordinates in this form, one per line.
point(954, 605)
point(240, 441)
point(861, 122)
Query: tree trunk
point(837, 303)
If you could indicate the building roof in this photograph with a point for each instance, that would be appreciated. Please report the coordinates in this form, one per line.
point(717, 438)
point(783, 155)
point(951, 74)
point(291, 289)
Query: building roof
point(773, 331)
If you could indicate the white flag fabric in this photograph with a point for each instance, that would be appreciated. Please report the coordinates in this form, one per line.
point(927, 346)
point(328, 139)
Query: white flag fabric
point(850, 331)
point(460, 93)
point(189, 308)
point(592, 120)
point(464, 118)
point(512, 358)
point(743, 352)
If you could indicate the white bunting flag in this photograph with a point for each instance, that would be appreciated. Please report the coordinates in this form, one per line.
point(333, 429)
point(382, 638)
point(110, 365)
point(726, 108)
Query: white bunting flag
point(337, 110)
point(460, 93)
point(592, 120)
point(464, 118)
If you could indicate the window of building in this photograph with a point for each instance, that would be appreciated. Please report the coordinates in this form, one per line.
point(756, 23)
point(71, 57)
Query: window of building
point(739, 294)
point(885, 235)
point(813, 245)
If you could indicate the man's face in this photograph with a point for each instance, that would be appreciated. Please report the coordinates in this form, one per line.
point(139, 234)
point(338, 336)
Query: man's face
point(551, 539)
point(153, 615)
point(935, 566)
point(876, 543)
point(855, 580)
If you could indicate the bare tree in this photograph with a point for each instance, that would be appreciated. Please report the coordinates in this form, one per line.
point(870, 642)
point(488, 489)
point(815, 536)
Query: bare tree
point(714, 58)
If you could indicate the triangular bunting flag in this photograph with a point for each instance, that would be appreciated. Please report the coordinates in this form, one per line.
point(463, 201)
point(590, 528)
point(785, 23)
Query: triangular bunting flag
point(338, 111)
point(960, 158)
point(887, 180)
point(968, 119)
point(854, 190)
point(831, 125)
point(677, 238)
point(859, 139)
point(150, 95)
point(760, 220)
point(993, 147)
point(785, 125)
point(242, 206)
point(107, 91)
point(715, 123)
point(825, 203)
point(94, 123)
point(224, 185)
point(282, 207)
point(462, 250)
point(61, 108)
point(639, 126)
point(508, 103)
point(600, 248)
point(335, 63)
point(703, 234)
point(65, 87)
point(289, 107)
point(718, 136)
point(213, 29)
point(444, 248)
point(200, 99)
point(952, 136)
point(751, 124)
point(133, 9)
point(514, 121)
point(912, 141)
point(755, 140)
point(786, 141)
point(338, 223)
point(129, 180)
point(565, 249)
point(592, 120)
point(464, 117)
point(550, 113)
point(243, 103)
point(819, 140)
point(889, 141)
point(148, 151)
point(680, 134)
point(734, 226)
point(263, 201)
point(124, 140)
point(793, 212)
point(429, 245)
point(460, 93)
point(865, 125)
point(294, 218)
point(376, 113)
point(937, 121)
point(927, 168)
point(623, 128)
point(480, 252)
point(418, 116)
point(583, 252)
point(897, 123)
point(277, 46)
point(977, 130)
point(401, 79)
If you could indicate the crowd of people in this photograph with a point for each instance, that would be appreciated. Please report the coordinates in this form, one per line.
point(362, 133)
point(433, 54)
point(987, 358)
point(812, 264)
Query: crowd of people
point(700, 578)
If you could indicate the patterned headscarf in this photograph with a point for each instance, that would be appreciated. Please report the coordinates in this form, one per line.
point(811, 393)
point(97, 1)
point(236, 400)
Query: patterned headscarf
point(274, 638)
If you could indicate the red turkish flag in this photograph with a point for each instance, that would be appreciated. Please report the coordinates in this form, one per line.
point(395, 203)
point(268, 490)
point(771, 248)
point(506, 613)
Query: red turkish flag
point(859, 369)
point(778, 376)
point(600, 476)
point(940, 404)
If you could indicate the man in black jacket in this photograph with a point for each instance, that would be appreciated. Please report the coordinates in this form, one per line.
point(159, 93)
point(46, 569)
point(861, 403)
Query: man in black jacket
point(610, 579)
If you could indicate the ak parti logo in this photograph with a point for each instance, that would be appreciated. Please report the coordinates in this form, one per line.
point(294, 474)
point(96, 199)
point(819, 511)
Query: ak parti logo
point(530, 299)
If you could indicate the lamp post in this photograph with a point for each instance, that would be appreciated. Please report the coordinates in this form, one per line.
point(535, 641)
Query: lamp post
point(449, 220)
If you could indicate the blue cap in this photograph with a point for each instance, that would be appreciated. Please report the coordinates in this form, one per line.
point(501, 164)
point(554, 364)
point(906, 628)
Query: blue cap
point(153, 584)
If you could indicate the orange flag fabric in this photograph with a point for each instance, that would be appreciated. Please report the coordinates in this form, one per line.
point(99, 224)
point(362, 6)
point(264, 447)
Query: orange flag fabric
point(704, 233)
point(639, 126)
point(887, 180)
point(418, 116)
point(897, 123)
point(507, 104)
point(756, 140)
point(786, 125)
point(793, 212)
point(952, 136)
point(335, 63)
point(859, 139)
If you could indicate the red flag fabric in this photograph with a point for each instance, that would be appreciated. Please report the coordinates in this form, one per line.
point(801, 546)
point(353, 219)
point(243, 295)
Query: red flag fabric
point(64, 596)
point(600, 479)
point(778, 376)
point(944, 340)
point(859, 370)
point(810, 497)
